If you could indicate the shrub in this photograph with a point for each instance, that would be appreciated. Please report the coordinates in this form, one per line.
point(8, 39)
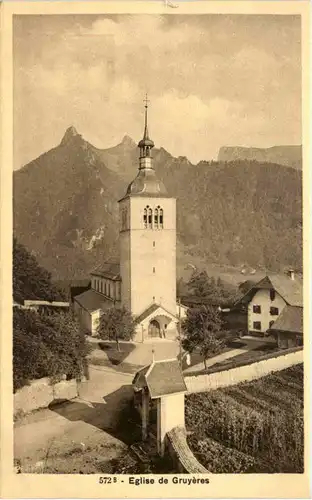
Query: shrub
point(46, 346)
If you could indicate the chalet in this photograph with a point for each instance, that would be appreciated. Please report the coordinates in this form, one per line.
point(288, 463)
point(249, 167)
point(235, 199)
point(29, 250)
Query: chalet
point(275, 306)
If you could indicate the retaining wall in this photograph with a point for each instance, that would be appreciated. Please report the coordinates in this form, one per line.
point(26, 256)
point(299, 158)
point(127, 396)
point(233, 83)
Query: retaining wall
point(180, 453)
point(214, 379)
point(40, 393)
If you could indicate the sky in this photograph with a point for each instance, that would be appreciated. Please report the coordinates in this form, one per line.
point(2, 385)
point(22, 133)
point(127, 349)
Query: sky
point(212, 81)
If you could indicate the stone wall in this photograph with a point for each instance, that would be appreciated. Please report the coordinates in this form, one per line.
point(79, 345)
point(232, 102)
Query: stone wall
point(182, 457)
point(40, 393)
point(244, 373)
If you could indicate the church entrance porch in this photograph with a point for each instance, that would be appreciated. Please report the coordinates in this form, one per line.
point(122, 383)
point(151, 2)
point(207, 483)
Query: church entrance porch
point(156, 324)
point(154, 329)
point(158, 327)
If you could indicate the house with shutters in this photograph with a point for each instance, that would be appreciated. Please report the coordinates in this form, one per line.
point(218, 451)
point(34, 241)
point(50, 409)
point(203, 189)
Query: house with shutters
point(275, 307)
point(144, 279)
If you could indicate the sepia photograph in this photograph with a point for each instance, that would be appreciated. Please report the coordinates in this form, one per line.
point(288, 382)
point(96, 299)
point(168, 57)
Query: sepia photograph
point(157, 245)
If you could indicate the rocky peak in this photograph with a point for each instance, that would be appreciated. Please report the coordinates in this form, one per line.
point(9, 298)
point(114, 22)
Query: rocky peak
point(70, 135)
point(128, 141)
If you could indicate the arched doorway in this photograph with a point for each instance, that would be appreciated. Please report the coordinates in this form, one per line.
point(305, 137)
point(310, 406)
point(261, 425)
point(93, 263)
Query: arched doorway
point(154, 329)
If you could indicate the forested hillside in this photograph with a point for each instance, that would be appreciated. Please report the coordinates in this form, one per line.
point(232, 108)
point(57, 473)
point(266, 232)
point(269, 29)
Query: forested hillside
point(66, 210)
point(31, 281)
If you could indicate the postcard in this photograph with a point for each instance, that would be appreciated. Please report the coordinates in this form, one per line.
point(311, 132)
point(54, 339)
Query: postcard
point(155, 249)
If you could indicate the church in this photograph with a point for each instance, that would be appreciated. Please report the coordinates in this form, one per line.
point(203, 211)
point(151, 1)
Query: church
point(144, 281)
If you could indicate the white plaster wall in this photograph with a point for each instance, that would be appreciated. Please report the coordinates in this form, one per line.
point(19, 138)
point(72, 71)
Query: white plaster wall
point(94, 321)
point(153, 257)
point(262, 298)
point(125, 256)
point(209, 382)
point(174, 411)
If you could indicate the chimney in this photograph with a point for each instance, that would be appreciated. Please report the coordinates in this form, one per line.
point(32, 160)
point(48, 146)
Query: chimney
point(291, 274)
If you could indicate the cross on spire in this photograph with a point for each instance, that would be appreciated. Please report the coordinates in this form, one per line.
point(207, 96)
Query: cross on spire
point(146, 101)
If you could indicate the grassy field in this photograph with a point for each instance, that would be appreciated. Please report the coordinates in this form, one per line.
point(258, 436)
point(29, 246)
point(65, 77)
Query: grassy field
point(252, 427)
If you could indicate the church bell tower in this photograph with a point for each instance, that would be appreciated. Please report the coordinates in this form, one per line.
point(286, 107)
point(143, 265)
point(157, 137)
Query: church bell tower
point(147, 237)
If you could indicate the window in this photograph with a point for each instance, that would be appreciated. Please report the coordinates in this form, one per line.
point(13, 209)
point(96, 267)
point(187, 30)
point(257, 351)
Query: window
point(299, 340)
point(273, 311)
point(145, 217)
point(161, 218)
point(256, 309)
point(272, 294)
point(257, 325)
point(153, 269)
point(153, 219)
point(156, 218)
point(154, 244)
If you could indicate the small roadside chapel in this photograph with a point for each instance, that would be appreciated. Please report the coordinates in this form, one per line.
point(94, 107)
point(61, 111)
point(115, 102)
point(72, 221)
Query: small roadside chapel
point(159, 390)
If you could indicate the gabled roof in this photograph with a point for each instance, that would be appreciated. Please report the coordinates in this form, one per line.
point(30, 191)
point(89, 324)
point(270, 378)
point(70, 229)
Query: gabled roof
point(289, 289)
point(109, 269)
point(93, 301)
point(290, 320)
point(150, 310)
point(161, 378)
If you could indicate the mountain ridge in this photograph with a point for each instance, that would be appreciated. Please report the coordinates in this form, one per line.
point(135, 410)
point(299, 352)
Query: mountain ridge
point(66, 210)
point(289, 156)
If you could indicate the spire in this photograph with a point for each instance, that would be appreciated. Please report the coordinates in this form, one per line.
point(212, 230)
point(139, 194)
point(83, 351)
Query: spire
point(145, 136)
point(145, 144)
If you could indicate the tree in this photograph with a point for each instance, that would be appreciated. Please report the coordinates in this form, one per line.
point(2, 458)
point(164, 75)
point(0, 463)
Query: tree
point(47, 346)
point(31, 281)
point(211, 290)
point(202, 329)
point(116, 324)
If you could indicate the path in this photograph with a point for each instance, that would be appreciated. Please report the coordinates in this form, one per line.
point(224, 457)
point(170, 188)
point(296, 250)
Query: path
point(88, 419)
point(250, 344)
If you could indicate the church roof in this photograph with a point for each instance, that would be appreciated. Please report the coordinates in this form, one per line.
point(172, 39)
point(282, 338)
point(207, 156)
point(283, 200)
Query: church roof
point(289, 289)
point(290, 320)
point(109, 269)
point(150, 310)
point(93, 301)
point(147, 184)
point(161, 377)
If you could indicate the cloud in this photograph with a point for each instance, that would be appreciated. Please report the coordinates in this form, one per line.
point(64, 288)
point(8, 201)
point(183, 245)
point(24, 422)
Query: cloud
point(212, 80)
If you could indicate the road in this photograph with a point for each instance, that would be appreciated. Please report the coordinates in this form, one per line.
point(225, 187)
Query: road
point(89, 419)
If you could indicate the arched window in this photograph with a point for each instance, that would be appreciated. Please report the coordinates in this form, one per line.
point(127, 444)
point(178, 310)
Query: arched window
point(156, 218)
point(145, 217)
point(149, 218)
point(161, 218)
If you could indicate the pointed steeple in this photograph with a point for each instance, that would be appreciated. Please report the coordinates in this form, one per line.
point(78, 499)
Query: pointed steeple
point(145, 136)
point(146, 182)
point(145, 144)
